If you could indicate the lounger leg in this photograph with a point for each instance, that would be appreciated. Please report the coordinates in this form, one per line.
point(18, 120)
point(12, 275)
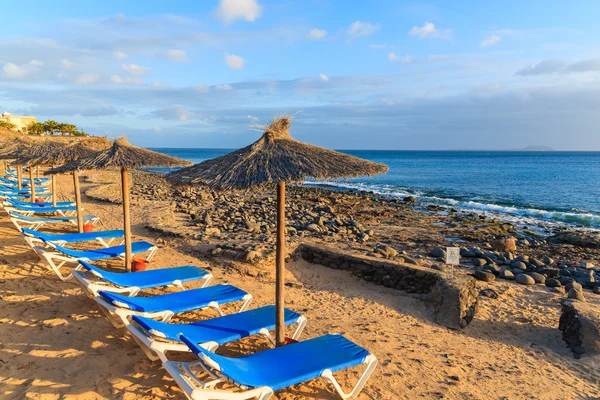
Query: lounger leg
point(247, 300)
point(152, 252)
point(371, 362)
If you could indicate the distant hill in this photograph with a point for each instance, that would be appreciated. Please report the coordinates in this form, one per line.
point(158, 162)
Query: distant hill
point(537, 148)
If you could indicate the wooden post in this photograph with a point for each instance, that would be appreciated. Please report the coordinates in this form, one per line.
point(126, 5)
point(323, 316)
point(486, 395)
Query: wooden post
point(126, 218)
point(31, 184)
point(19, 177)
point(5, 167)
point(280, 267)
point(53, 189)
point(37, 171)
point(78, 201)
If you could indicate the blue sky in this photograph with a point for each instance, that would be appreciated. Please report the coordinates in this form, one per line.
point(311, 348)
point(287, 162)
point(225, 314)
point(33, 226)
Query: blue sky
point(356, 74)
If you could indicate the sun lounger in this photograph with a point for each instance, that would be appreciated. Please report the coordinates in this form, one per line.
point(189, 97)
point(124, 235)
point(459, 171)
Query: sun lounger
point(55, 260)
point(95, 279)
point(260, 374)
point(34, 238)
point(31, 209)
point(35, 223)
point(40, 181)
point(156, 337)
point(42, 204)
point(119, 307)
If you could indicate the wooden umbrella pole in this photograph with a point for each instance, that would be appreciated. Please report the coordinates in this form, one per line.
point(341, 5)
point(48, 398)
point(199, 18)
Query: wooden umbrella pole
point(126, 218)
point(31, 184)
point(37, 171)
point(280, 267)
point(5, 167)
point(19, 177)
point(78, 201)
point(53, 189)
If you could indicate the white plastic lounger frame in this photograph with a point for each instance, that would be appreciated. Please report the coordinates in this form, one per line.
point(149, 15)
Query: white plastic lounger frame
point(155, 346)
point(35, 225)
point(34, 241)
point(91, 283)
point(56, 260)
point(195, 389)
point(119, 316)
point(31, 213)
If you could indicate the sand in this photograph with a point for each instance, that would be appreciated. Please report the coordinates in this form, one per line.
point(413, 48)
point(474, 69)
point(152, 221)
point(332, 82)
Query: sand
point(56, 344)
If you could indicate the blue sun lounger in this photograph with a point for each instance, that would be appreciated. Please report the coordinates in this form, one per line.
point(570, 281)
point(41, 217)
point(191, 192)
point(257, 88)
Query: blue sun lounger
point(156, 337)
point(55, 260)
point(31, 208)
point(42, 204)
point(95, 279)
point(119, 308)
point(36, 223)
point(103, 237)
point(261, 374)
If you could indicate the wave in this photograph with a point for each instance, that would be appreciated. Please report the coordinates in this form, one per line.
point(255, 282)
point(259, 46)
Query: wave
point(512, 213)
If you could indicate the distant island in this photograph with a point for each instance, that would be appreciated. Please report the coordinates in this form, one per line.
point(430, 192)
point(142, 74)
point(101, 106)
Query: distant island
point(537, 148)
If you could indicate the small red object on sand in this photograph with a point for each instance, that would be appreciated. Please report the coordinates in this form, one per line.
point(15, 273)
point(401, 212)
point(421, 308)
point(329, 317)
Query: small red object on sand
point(88, 227)
point(289, 340)
point(39, 200)
point(139, 264)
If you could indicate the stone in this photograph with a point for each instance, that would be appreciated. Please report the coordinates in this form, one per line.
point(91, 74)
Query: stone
point(575, 294)
point(455, 301)
point(580, 326)
point(479, 262)
point(491, 293)
point(586, 265)
point(577, 239)
point(596, 290)
point(387, 251)
point(409, 199)
point(313, 228)
point(519, 265)
point(574, 285)
point(506, 274)
point(538, 278)
point(437, 252)
point(503, 245)
point(553, 283)
point(485, 276)
point(524, 279)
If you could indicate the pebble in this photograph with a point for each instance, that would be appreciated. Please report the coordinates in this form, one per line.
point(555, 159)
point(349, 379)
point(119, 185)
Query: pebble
point(597, 290)
point(551, 282)
point(575, 294)
point(538, 278)
point(479, 262)
point(519, 265)
point(574, 285)
point(506, 274)
point(524, 279)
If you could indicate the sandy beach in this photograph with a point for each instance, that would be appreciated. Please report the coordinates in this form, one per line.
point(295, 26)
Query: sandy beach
point(57, 344)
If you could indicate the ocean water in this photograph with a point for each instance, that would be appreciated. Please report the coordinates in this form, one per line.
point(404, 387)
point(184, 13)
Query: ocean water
point(554, 188)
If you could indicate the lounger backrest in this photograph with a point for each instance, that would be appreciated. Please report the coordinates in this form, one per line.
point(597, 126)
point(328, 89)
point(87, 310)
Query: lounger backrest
point(94, 270)
point(208, 357)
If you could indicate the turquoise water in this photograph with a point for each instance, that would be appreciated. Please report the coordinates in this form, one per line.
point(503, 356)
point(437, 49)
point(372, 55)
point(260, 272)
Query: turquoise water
point(557, 187)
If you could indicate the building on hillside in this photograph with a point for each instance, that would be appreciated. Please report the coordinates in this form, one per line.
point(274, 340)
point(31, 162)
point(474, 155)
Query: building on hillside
point(21, 122)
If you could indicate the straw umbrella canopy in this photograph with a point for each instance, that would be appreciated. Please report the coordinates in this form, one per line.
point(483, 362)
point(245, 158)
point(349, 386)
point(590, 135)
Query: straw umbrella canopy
point(55, 153)
point(122, 155)
point(13, 148)
point(276, 158)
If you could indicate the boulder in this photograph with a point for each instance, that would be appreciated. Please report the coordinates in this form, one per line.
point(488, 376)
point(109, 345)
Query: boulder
point(479, 262)
point(524, 279)
point(551, 282)
point(580, 326)
point(575, 295)
point(485, 276)
point(574, 285)
point(538, 278)
point(409, 199)
point(437, 252)
point(455, 301)
point(519, 265)
point(506, 274)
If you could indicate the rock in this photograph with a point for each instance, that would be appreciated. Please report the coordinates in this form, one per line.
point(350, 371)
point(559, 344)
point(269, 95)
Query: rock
point(437, 252)
point(479, 262)
point(577, 239)
point(386, 251)
point(575, 294)
point(553, 283)
point(538, 278)
point(574, 285)
point(410, 260)
point(586, 265)
point(409, 199)
point(212, 231)
point(455, 301)
point(580, 326)
point(216, 251)
point(439, 267)
point(485, 276)
point(597, 290)
point(524, 279)
point(491, 293)
point(536, 263)
point(547, 260)
point(503, 245)
point(519, 265)
point(313, 228)
point(506, 274)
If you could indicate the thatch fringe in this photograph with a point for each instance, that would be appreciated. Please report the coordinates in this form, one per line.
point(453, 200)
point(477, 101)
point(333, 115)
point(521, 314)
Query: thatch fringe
point(275, 157)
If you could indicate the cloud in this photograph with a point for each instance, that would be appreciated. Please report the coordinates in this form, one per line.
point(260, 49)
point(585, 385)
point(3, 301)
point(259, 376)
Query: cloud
point(202, 88)
point(134, 69)
point(120, 55)
point(392, 57)
point(128, 80)
point(67, 63)
point(177, 113)
point(87, 79)
point(223, 87)
point(177, 55)
point(234, 62)
point(492, 40)
point(324, 77)
point(316, 34)
point(231, 10)
point(544, 67)
point(590, 65)
point(404, 60)
point(428, 30)
point(157, 84)
point(14, 71)
point(361, 29)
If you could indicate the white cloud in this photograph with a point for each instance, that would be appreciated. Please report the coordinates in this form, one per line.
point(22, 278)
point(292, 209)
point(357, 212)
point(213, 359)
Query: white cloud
point(120, 55)
point(232, 10)
point(177, 112)
point(316, 34)
point(392, 57)
point(119, 80)
point(492, 40)
point(116, 79)
point(87, 79)
point(234, 62)
point(177, 55)
point(224, 86)
point(202, 88)
point(429, 30)
point(157, 84)
point(134, 69)
point(361, 29)
point(14, 71)
point(324, 77)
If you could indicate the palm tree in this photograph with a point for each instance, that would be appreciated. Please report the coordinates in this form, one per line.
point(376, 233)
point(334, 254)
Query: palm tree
point(36, 128)
point(7, 125)
point(66, 128)
point(50, 126)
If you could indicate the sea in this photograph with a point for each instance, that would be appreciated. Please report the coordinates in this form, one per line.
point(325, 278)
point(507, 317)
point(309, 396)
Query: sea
point(546, 189)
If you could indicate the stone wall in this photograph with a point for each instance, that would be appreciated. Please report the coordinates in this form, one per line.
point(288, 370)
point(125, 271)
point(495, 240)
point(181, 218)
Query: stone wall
point(454, 300)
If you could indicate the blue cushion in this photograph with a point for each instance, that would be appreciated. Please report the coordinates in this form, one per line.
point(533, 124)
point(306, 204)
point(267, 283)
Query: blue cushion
point(51, 219)
point(74, 237)
point(288, 365)
point(220, 330)
point(179, 301)
point(150, 278)
point(105, 252)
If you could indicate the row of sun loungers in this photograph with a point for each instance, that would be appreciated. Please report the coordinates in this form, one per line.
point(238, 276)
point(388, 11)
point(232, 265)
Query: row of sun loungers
point(147, 318)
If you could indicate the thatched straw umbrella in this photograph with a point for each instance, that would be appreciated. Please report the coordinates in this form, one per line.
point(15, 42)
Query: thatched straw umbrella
point(54, 153)
point(277, 159)
point(123, 156)
point(13, 148)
